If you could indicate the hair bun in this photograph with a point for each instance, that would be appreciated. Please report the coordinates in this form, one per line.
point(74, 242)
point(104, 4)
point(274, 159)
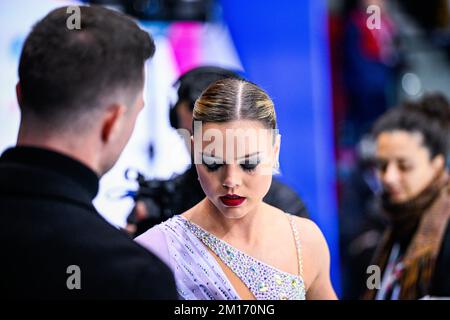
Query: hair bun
point(434, 106)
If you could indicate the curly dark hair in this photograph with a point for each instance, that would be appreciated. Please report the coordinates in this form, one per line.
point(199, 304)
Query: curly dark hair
point(429, 116)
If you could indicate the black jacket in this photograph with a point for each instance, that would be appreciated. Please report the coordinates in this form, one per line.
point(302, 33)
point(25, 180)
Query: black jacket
point(48, 224)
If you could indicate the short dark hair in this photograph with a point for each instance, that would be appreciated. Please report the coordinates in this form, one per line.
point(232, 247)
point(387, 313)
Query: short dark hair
point(63, 71)
point(192, 83)
point(429, 116)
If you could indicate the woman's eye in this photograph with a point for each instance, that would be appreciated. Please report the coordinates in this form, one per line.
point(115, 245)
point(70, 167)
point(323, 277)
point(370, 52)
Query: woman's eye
point(249, 167)
point(405, 168)
point(381, 166)
point(212, 166)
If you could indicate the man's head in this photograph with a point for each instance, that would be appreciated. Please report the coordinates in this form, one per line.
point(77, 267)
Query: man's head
point(81, 90)
point(190, 86)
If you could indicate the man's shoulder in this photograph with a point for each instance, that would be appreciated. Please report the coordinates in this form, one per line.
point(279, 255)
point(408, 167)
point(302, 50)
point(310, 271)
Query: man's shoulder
point(133, 267)
point(110, 262)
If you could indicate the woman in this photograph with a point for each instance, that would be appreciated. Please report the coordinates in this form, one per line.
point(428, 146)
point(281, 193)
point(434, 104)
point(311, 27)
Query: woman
point(412, 146)
point(232, 245)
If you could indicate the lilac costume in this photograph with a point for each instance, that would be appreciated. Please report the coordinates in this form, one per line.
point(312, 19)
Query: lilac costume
point(182, 245)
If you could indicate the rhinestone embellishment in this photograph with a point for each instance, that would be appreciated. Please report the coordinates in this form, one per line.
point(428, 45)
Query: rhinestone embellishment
point(263, 280)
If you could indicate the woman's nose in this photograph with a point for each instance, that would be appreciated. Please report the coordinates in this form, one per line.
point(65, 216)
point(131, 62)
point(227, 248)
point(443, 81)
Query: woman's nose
point(232, 177)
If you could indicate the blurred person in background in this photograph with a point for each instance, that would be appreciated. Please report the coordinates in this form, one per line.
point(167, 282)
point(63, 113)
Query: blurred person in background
point(412, 144)
point(361, 226)
point(185, 188)
point(79, 93)
point(370, 67)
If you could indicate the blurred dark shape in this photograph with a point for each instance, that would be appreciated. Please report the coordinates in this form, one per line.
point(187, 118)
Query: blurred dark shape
point(198, 10)
point(191, 85)
point(370, 63)
point(434, 18)
point(431, 14)
point(162, 10)
point(361, 226)
point(159, 197)
point(365, 66)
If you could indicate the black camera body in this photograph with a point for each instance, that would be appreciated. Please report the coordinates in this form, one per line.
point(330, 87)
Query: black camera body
point(158, 198)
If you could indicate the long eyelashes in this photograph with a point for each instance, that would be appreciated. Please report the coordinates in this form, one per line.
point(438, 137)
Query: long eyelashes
point(249, 167)
point(212, 167)
point(246, 166)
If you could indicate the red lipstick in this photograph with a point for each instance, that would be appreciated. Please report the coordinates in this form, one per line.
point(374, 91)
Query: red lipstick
point(232, 200)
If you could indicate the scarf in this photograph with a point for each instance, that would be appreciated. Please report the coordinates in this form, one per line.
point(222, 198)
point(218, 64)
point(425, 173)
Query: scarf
point(421, 223)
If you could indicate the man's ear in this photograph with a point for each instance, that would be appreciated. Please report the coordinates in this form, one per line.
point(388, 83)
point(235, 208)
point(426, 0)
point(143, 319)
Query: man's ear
point(112, 122)
point(19, 93)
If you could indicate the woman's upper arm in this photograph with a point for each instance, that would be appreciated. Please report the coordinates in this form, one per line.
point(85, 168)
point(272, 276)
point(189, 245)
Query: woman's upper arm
point(318, 256)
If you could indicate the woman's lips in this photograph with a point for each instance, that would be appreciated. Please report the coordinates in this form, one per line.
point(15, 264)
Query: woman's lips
point(232, 200)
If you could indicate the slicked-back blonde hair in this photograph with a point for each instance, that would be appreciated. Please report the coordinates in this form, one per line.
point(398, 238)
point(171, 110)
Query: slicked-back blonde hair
point(235, 99)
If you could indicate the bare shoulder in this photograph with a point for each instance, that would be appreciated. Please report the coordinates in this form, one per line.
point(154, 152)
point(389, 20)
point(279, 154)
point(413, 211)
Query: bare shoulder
point(316, 257)
point(309, 232)
point(315, 250)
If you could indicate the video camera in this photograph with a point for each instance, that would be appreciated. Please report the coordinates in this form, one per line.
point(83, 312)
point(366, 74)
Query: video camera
point(154, 201)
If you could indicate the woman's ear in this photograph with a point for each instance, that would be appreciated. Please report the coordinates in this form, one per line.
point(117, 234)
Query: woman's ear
point(438, 163)
point(276, 153)
point(277, 143)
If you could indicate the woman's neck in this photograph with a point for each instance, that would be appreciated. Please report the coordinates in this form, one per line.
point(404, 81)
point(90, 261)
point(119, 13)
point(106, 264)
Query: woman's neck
point(245, 230)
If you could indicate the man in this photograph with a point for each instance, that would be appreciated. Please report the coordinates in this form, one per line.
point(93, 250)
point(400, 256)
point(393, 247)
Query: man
point(79, 92)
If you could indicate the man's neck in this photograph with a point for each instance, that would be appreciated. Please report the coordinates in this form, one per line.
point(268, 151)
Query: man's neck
point(75, 150)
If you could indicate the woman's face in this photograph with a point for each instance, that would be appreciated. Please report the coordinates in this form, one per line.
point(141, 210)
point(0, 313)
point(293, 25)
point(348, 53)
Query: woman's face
point(234, 163)
point(405, 167)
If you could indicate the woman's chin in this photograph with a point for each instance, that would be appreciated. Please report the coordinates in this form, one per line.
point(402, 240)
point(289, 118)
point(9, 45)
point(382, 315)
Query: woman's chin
point(398, 198)
point(233, 213)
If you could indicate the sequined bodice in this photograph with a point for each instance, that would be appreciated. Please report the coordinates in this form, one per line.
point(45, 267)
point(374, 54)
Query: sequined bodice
point(264, 281)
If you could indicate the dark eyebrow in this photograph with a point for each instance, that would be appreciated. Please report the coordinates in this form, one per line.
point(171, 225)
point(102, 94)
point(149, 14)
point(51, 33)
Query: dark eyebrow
point(244, 157)
point(249, 155)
